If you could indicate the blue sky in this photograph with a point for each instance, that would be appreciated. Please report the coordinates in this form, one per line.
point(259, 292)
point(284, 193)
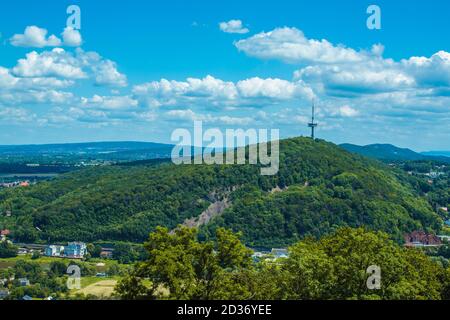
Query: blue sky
point(137, 70)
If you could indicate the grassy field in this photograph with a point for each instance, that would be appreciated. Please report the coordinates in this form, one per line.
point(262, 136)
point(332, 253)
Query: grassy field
point(446, 230)
point(99, 287)
point(43, 261)
point(47, 260)
point(101, 265)
point(5, 263)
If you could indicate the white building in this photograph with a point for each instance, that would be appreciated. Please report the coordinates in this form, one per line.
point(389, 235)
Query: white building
point(54, 251)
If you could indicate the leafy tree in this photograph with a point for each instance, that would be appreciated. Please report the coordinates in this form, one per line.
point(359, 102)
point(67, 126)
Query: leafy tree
point(124, 253)
point(444, 251)
point(179, 267)
point(335, 267)
point(309, 272)
point(403, 271)
point(94, 250)
point(7, 250)
point(58, 268)
point(113, 270)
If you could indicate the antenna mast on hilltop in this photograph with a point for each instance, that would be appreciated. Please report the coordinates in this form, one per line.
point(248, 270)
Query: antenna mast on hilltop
point(312, 124)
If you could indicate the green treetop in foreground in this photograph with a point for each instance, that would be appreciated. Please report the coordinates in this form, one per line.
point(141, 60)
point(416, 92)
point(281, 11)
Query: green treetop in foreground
point(181, 267)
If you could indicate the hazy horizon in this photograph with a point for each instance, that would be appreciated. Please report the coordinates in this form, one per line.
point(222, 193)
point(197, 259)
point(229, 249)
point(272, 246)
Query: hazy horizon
point(172, 143)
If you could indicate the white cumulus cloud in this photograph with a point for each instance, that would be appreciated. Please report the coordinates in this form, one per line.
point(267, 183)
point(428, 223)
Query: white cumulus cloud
point(273, 88)
point(210, 91)
point(292, 46)
point(57, 63)
point(68, 65)
point(233, 26)
point(72, 37)
point(189, 115)
point(347, 111)
point(109, 102)
point(36, 37)
point(16, 115)
point(106, 73)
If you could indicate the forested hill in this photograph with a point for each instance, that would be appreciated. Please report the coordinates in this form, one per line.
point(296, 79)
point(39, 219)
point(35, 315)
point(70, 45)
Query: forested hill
point(319, 186)
point(388, 152)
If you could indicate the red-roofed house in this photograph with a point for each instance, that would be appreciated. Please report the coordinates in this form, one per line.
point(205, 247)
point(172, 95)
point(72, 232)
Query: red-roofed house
point(24, 184)
point(421, 239)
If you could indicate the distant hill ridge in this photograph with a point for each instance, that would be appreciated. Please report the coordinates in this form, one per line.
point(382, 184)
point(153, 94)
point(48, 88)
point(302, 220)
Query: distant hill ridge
point(82, 146)
point(377, 151)
point(391, 152)
point(437, 153)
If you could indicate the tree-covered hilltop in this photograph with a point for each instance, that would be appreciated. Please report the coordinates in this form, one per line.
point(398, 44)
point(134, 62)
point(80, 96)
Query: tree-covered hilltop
point(319, 187)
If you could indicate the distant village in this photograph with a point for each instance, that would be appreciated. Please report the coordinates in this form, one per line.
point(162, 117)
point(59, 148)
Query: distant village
point(432, 175)
point(73, 250)
point(16, 184)
point(78, 250)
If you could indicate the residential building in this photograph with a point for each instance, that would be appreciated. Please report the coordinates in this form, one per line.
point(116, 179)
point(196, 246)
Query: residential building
point(54, 251)
point(24, 184)
point(258, 255)
point(444, 238)
point(279, 253)
point(421, 239)
point(75, 250)
point(24, 282)
point(107, 253)
point(4, 293)
point(22, 251)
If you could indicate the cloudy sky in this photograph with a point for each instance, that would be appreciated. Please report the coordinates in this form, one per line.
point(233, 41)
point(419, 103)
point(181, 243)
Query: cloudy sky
point(137, 70)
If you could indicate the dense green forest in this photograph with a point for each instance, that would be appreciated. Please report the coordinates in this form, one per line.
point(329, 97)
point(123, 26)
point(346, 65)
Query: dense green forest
point(318, 188)
point(335, 267)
